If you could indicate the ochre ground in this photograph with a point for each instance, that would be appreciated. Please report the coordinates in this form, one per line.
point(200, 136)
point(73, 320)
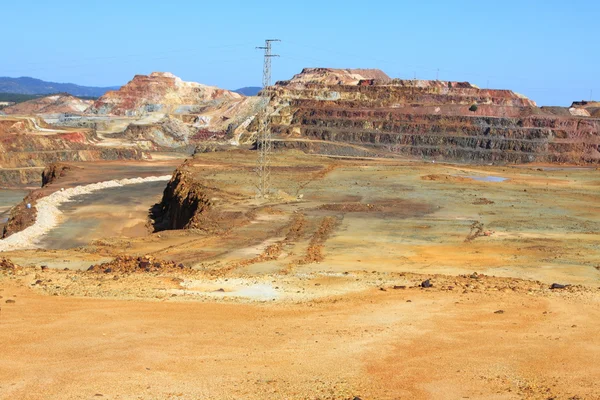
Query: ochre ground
point(295, 298)
point(372, 344)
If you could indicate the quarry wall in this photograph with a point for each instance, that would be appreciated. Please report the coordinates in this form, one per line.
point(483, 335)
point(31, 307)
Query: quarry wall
point(451, 121)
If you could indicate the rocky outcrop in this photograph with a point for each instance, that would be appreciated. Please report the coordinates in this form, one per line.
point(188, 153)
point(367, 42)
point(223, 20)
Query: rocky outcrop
point(129, 265)
point(55, 104)
point(190, 203)
point(54, 171)
point(158, 92)
point(591, 108)
point(22, 216)
point(453, 121)
point(185, 204)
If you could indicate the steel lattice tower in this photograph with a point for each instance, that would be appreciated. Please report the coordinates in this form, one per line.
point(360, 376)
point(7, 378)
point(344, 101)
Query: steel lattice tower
point(264, 141)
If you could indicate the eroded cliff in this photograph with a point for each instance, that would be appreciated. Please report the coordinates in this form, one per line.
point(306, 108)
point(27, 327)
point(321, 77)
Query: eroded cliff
point(190, 202)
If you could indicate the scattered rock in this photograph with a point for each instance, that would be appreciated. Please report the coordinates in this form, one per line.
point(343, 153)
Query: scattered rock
point(399, 287)
point(426, 284)
point(10, 301)
point(6, 264)
point(44, 267)
point(127, 264)
point(383, 289)
point(482, 201)
point(499, 312)
point(558, 286)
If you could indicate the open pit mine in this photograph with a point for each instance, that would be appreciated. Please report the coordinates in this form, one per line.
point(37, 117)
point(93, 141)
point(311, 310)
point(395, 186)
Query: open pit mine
point(420, 240)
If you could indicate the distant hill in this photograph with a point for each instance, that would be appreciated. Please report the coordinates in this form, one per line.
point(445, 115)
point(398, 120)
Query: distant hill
point(159, 91)
point(249, 91)
point(32, 86)
point(20, 98)
point(55, 104)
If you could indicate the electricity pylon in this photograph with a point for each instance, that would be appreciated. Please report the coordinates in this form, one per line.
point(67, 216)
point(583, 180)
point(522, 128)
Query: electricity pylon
point(264, 142)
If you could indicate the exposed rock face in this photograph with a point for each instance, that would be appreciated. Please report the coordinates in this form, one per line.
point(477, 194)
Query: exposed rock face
point(54, 171)
point(332, 76)
point(158, 92)
point(592, 108)
point(21, 216)
point(452, 121)
point(31, 150)
point(168, 133)
point(56, 104)
point(185, 202)
point(26, 144)
point(190, 203)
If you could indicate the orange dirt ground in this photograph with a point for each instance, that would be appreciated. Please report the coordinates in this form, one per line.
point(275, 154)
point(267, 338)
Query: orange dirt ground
point(316, 294)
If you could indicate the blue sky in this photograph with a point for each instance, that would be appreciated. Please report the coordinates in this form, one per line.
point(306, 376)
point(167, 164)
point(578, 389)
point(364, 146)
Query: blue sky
point(546, 50)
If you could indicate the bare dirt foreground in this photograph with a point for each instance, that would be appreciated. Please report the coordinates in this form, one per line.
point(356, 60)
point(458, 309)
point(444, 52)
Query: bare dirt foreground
point(359, 278)
point(393, 344)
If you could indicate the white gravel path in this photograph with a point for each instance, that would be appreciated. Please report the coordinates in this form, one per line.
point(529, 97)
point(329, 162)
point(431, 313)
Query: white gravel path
point(48, 214)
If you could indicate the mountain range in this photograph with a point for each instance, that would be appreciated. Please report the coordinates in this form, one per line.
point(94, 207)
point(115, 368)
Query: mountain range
point(249, 91)
point(33, 86)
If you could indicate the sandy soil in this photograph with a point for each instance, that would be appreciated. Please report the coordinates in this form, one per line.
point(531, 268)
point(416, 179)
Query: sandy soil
point(394, 344)
point(318, 295)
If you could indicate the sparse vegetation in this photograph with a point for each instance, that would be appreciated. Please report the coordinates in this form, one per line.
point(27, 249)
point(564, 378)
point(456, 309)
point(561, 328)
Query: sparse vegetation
point(473, 108)
point(21, 98)
point(18, 98)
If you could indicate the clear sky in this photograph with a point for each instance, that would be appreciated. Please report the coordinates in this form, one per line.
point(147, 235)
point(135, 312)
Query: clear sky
point(547, 50)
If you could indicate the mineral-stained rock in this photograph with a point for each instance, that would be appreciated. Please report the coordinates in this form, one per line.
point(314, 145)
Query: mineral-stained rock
point(189, 203)
point(425, 119)
point(158, 92)
point(6, 264)
point(53, 172)
point(24, 152)
point(129, 264)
